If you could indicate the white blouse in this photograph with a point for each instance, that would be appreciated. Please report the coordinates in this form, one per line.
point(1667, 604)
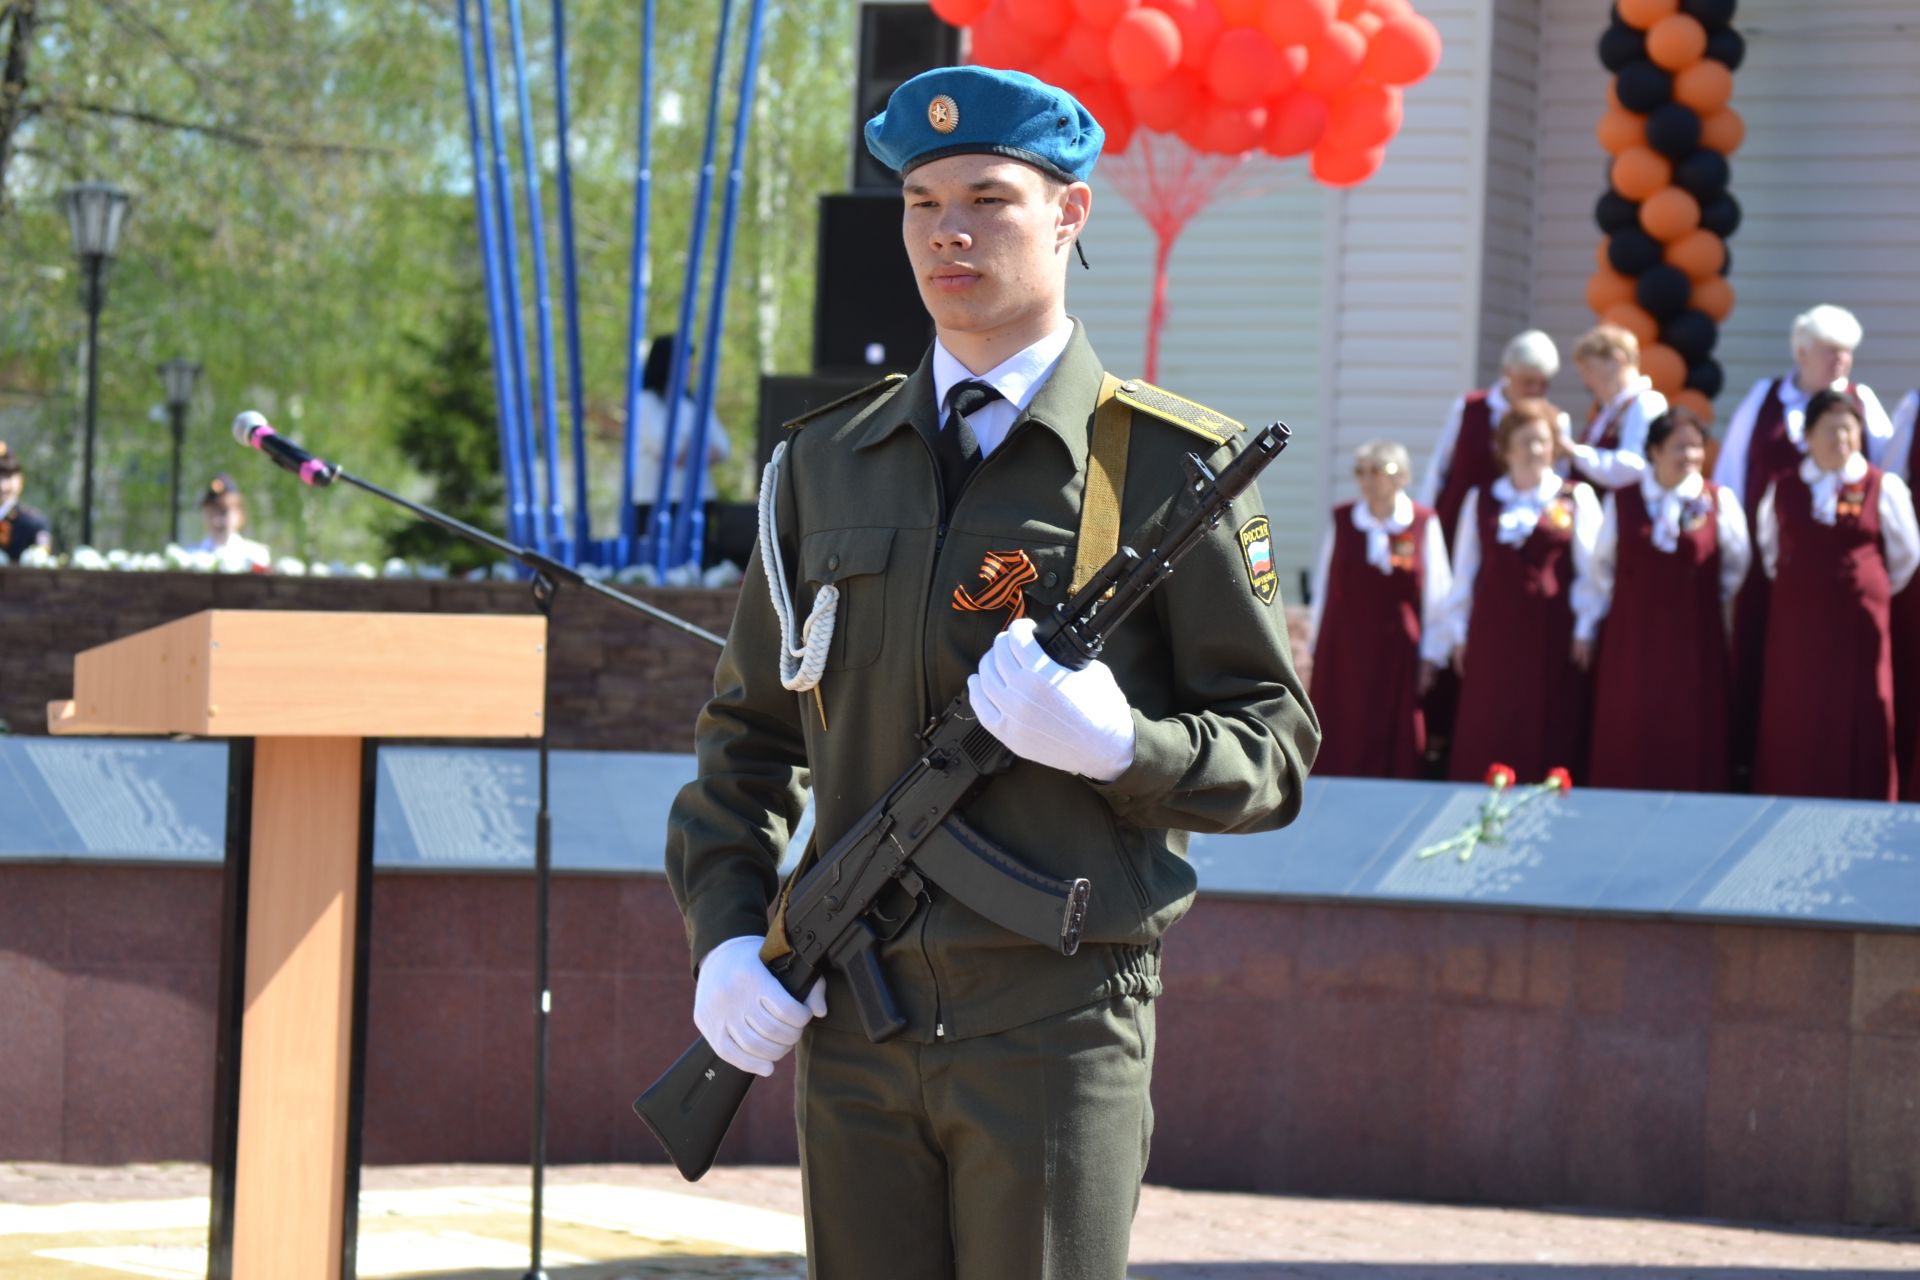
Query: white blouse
point(1899, 530)
point(1437, 577)
point(1634, 409)
point(1593, 589)
point(1520, 512)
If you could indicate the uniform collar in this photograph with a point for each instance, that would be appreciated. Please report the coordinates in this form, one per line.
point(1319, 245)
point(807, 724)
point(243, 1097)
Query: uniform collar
point(1399, 518)
point(1852, 471)
point(1653, 491)
point(1538, 496)
point(1063, 403)
point(1017, 378)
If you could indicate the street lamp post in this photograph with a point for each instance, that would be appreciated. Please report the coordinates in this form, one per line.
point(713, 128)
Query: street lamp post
point(180, 376)
point(96, 213)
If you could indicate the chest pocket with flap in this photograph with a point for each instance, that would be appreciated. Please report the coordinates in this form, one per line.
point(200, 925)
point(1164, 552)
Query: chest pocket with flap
point(854, 560)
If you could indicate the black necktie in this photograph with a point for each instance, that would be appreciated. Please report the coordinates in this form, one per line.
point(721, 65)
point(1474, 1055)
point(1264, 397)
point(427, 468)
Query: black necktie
point(957, 447)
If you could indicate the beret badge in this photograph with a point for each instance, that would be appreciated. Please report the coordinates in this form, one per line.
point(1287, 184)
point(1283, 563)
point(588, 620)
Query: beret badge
point(943, 113)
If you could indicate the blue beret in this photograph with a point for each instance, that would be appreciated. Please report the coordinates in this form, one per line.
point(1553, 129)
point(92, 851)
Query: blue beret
point(953, 111)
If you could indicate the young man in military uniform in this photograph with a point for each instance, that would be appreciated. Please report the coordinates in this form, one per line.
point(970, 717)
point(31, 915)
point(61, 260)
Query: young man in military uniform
point(21, 527)
point(1005, 1132)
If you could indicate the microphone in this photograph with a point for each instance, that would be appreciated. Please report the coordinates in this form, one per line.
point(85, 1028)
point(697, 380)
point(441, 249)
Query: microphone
point(251, 428)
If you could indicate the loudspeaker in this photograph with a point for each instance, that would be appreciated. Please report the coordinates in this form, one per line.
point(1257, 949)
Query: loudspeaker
point(897, 43)
point(867, 314)
point(786, 396)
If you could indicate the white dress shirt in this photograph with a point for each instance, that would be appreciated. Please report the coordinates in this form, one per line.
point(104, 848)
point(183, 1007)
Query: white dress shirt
point(1634, 409)
point(1018, 379)
point(1899, 530)
point(1593, 588)
point(1900, 446)
point(1437, 576)
point(1731, 468)
point(1520, 512)
point(653, 447)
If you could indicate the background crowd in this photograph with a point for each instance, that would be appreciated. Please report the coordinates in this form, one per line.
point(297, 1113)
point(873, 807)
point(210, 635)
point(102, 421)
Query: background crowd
point(1634, 599)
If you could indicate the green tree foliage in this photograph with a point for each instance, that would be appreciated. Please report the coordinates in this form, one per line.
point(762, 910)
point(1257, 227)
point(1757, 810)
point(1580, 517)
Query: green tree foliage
point(303, 204)
point(445, 429)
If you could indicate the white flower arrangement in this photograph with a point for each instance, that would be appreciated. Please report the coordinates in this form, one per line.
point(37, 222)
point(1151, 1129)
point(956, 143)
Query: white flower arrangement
point(178, 559)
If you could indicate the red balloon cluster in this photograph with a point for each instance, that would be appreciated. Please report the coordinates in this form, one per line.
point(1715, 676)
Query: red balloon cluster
point(1227, 76)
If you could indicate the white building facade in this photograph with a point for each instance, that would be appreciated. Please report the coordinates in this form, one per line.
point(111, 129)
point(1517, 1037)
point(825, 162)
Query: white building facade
point(1361, 314)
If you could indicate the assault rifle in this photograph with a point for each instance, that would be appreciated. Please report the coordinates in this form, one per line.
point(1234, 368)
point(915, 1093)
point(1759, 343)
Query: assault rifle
point(862, 891)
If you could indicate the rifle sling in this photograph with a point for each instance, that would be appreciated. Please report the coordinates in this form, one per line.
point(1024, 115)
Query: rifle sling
point(1106, 480)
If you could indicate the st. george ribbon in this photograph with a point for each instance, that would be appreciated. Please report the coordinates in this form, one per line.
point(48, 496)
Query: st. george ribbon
point(252, 428)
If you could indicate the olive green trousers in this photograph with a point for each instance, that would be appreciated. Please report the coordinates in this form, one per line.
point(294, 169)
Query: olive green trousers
point(1014, 1156)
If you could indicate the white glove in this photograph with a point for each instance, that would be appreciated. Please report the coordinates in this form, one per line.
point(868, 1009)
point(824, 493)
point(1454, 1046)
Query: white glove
point(746, 1015)
point(1075, 721)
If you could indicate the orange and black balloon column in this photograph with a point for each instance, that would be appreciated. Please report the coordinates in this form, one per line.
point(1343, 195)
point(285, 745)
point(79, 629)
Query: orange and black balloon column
point(1667, 215)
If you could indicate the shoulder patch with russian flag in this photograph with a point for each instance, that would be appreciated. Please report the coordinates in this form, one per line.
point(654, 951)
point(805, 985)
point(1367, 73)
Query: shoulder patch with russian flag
point(1256, 548)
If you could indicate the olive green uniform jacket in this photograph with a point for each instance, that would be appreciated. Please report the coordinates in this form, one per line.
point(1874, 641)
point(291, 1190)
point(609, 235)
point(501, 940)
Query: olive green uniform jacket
point(1224, 734)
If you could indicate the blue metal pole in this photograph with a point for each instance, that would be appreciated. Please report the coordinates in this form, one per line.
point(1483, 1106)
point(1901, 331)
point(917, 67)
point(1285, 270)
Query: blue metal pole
point(696, 248)
point(509, 244)
point(690, 521)
point(555, 514)
point(483, 209)
point(639, 279)
point(576, 390)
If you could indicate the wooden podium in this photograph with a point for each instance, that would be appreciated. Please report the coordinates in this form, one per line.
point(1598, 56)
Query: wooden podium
point(303, 697)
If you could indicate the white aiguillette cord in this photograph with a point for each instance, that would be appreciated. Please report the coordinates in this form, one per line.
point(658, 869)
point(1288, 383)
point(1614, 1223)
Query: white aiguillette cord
point(802, 657)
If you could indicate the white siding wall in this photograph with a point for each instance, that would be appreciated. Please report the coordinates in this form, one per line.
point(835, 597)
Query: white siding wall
point(1244, 319)
point(1506, 279)
point(1829, 180)
point(1406, 259)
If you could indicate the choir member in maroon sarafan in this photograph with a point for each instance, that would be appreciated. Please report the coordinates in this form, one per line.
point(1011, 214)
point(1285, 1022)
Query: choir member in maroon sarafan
point(1510, 615)
point(1658, 592)
point(1611, 450)
point(1837, 537)
point(1378, 595)
point(1464, 458)
point(1764, 439)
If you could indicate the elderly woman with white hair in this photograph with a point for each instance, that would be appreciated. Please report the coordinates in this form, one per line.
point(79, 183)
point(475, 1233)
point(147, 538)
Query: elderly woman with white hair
point(1766, 439)
point(1840, 540)
point(1375, 632)
point(1464, 459)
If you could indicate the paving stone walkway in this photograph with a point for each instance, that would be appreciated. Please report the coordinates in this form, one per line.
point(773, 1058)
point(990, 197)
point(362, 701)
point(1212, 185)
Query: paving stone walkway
point(641, 1222)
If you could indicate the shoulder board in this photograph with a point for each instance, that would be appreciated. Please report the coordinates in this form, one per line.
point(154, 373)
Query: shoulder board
point(886, 383)
point(1178, 411)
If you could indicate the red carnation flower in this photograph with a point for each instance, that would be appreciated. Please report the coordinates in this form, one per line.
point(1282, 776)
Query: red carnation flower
point(1560, 780)
point(1500, 776)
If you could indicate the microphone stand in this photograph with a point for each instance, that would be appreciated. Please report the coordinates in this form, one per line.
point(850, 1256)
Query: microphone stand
point(548, 576)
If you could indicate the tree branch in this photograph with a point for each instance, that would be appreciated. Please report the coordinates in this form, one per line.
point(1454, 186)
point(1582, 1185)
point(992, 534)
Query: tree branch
point(18, 19)
point(219, 132)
